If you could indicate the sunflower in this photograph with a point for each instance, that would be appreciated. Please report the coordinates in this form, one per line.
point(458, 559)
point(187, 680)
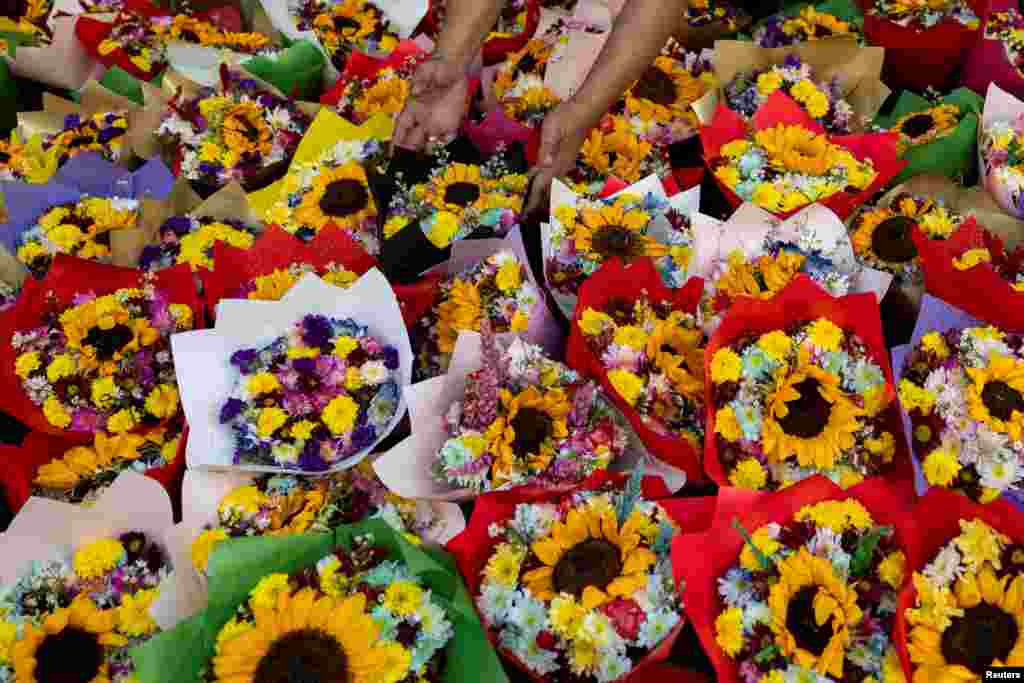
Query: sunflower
point(665, 92)
point(884, 235)
point(459, 188)
point(813, 613)
point(350, 21)
point(310, 637)
point(675, 350)
point(83, 462)
point(245, 131)
point(459, 312)
point(340, 196)
point(986, 631)
point(615, 231)
point(922, 127)
point(387, 95)
point(68, 645)
point(811, 417)
point(592, 557)
point(531, 423)
point(996, 395)
point(797, 149)
point(616, 151)
point(762, 279)
point(812, 24)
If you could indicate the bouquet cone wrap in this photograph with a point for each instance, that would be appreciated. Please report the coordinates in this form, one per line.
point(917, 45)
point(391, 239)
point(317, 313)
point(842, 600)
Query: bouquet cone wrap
point(987, 62)
point(297, 70)
point(1000, 106)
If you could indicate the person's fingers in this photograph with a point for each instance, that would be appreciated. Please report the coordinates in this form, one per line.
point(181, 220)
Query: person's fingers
point(403, 125)
point(550, 136)
point(424, 79)
point(416, 137)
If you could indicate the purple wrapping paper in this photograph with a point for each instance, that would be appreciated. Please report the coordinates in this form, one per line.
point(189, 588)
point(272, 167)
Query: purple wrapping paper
point(987, 62)
point(84, 174)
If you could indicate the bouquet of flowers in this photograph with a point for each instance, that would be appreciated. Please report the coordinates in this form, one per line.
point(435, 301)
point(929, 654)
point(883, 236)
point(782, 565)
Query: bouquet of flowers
point(614, 150)
point(958, 614)
point(703, 12)
point(579, 586)
point(519, 82)
point(793, 391)
point(102, 132)
point(785, 160)
point(382, 611)
point(83, 359)
point(586, 231)
point(344, 26)
point(24, 161)
point(276, 387)
point(799, 584)
point(806, 23)
point(28, 23)
point(370, 87)
point(936, 136)
point(1000, 145)
point(643, 342)
point(240, 131)
point(754, 255)
point(225, 506)
point(998, 57)
point(924, 41)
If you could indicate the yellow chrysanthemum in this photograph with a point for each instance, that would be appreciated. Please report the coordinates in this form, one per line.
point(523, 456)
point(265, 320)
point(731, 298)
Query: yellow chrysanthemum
point(98, 558)
point(748, 474)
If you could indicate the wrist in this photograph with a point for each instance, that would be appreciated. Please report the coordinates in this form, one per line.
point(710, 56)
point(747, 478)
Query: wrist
point(457, 56)
point(581, 112)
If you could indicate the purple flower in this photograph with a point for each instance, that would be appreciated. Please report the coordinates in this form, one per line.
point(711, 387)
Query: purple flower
point(310, 460)
point(108, 134)
point(267, 100)
point(304, 365)
point(149, 257)
point(72, 121)
point(390, 358)
point(181, 225)
point(230, 410)
point(243, 358)
point(792, 61)
point(363, 437)
point(317, 331)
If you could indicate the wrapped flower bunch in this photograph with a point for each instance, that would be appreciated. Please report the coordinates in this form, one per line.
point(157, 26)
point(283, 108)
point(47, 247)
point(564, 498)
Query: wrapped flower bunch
point(527, 419)
point(824, 102)
point(190, 239)
point(924, 14)
point(794, 402)
point(654, 359)
point(963, 392)
point(277, 505)
point(987, 248)
point(78, 615)
point(102, 132)
point(385, 92)
point(498, 289)
point(923, 127)
point(884, 236)
point(614, 149)
point(236, 132)
point(458, 199)
point(966, 614)
point(82, 474)
point(810, 23)
point(342, 26)
point(333, 189)
point(79, 228)
point(519, 82)
point(313, 397)
point(582, 586)
point(353, 616)
point(1008, 27)
point(104, 362)
point(814, 598)
point(29, 20)
point(1002, 152)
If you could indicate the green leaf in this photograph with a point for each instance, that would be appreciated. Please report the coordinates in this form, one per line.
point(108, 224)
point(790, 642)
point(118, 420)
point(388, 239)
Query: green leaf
point(763, 559)
point(767, 654)
point(861, 561)
point(631, 494)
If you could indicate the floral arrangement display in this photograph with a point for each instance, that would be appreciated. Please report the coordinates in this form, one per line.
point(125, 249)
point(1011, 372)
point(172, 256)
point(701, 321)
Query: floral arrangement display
point(360, 604)
point(239, 131)
point(800, 584)
point(343, 26)
point(382, 93)
point(806, 23)
point(786, 160)
point(190, 239)
point(1000, 142)
point(101, 132)
point(796, 392)
point(586, 232)
point(591, 571)
point(1008, 27)
point(998, 56)
point(519, 83)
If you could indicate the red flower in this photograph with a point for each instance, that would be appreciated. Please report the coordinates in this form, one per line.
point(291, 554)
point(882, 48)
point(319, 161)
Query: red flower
point(626, 616)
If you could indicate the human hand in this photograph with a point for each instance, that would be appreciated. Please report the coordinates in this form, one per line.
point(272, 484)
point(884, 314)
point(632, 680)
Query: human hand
point(562, 135)
point(436, 104)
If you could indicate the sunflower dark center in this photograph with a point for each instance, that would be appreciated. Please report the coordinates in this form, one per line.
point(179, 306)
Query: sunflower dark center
point(809, 414)
point(462, 193)
point(4, 157)
point(305, 656)
point(621, 310)
point(982, 635)
point(891, 240)
point(346, 24)
point(656, 86)
point(594, 562)
point(801, 623)
point(71, 656)
point(527, 64)
point(667, 348)
point(532, 428)
point(80, 140)
point(1001, 399)
point(344, 197)
point(615, 240)
point(917, 125)
point(108, 342)
point(822, 31)
point(247, 128)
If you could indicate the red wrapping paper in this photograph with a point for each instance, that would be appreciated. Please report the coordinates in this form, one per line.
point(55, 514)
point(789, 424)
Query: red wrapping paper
point(361, 66)
point(944, 509)
point(979, 291)
point(629, 282)
point(917, 60)
point(472, 548)
point(495, 50)
point(803, 301)
point(728, 125)
point(701, 558)
point(987, 62)
point(67, 277)
point(277, 248)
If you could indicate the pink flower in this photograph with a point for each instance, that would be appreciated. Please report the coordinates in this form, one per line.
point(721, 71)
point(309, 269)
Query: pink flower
point(626, 616)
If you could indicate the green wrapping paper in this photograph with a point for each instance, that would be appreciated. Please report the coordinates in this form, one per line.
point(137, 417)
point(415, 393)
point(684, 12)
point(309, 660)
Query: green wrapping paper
point(297, 71)
point(119, 81)
point(8, 101)
point(236, 566)
point(847, 10)
point(953, 155)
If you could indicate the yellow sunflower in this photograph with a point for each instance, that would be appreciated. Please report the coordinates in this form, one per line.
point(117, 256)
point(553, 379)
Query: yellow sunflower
point(459, 312)
point(245, 131)
point(996, 395)
point(615, 230)
point(984, 628)
point(460, 187)
point(618, 151)
point(812, 24)
point(340, 196)
point(83, 462)
point(797, 149)
point(675, 350)
point(387, 95)
point(328, 639)
point(526, 432)
point(884, 234)
point(811, 417)
point(68, 644)
point(591, 557)
point(349, 21)
point(813, 613)
point(762, 279)
point(922, 127)
point(665, 92)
